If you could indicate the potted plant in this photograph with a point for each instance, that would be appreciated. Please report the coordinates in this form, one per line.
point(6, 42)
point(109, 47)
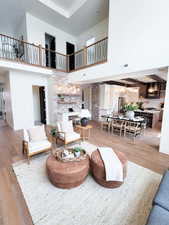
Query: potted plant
point(61, 97)
point(129, 110)
point(140, 105)
point(53, 132)
point(77, 151)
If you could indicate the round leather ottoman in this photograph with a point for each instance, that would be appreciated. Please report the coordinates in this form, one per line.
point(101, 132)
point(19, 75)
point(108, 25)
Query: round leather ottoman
point(67, 174)
point(98, 170)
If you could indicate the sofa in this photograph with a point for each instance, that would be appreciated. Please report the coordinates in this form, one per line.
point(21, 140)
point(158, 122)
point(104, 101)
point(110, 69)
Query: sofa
point(159, 214)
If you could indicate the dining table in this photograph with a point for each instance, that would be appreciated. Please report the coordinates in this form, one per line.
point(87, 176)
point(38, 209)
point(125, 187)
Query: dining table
point(124, 118)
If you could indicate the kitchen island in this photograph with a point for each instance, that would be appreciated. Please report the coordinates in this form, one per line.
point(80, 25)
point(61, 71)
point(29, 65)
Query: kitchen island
point(150, 116)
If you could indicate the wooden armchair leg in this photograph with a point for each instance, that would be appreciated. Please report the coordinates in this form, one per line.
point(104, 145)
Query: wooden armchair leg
point(23, 150)
point(28, 158)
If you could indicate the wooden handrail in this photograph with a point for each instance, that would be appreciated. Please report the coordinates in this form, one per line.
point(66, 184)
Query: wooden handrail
point(81, 50)
point(97, 42)
point(25, 42)
point(35, 55)
point(58, 53)
point(4, 35)
point(88, 46)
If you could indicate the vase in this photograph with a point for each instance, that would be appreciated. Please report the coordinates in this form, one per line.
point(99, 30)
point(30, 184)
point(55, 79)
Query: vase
point(77, 154)
point(130, 115)
point(84, 122)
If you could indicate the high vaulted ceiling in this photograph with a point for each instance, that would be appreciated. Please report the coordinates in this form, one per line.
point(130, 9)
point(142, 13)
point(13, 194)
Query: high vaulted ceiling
point(64, 7)
point(67, 4)
point(72, 16)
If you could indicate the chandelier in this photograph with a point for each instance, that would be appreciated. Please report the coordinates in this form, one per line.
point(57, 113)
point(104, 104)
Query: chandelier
point(68, 89)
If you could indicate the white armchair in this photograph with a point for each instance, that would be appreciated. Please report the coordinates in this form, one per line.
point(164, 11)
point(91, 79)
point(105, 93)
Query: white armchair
point(35, 141)
point(66, 133)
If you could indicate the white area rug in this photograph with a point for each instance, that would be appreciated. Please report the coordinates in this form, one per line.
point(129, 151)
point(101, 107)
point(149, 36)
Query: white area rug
point(90, 203)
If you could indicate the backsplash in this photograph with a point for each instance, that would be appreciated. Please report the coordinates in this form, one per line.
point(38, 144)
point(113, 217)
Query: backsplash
point(152, 103)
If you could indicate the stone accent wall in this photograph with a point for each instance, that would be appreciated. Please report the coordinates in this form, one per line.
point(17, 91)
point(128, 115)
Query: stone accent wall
point(76, 104)
point(53, 105)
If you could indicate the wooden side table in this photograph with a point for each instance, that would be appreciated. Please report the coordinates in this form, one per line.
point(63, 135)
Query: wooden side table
point(84, 131)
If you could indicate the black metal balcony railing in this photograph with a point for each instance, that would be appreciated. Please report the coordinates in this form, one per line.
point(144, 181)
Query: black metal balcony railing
point(24, 52)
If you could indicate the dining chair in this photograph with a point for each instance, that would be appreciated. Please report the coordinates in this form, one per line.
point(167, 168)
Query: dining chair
point(132, 128)
point(117, 126)
point(143, 126)
point(105, 123)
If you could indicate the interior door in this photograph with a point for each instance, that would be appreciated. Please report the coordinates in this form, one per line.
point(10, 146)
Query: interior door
point(42, 104)
point(52, 54)
point(1, 102)
point(50, 46)
point(70, 49)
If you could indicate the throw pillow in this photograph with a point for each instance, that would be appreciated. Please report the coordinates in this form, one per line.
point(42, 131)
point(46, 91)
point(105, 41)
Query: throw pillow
point(37, 133)
point(67, 126)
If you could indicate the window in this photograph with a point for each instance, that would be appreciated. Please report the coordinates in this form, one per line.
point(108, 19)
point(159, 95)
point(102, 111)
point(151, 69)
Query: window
point(90, 51)
point(90, 41)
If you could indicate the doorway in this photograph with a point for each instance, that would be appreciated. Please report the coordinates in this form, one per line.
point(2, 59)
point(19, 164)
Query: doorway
point(39, 105)
point(70, 50)
point(50, 46)
point(2, 103)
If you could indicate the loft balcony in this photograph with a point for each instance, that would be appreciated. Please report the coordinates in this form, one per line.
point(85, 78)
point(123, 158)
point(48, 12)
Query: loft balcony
point(26, 53)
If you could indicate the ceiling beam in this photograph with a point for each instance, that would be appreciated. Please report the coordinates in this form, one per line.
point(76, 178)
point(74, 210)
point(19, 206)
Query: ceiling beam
point(112, 82)
point(135, 81)
point(157, 78)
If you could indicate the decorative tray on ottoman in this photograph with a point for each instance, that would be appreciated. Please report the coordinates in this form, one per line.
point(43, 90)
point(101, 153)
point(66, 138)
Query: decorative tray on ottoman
point(70, 154)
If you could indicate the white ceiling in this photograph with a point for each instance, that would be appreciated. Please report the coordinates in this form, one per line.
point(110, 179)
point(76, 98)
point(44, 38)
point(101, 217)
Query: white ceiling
point(65, 8)
point(11, 13)
point(72, 16)
point(67, 4)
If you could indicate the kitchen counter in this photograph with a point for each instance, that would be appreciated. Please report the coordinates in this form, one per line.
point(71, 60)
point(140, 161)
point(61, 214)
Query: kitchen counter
point(148, 111)
point(151, 116)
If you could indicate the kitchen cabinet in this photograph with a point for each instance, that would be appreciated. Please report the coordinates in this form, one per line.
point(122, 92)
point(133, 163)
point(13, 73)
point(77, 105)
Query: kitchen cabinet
point(153, 90)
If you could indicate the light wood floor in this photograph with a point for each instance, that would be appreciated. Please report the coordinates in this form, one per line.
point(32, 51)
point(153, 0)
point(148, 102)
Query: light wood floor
point(144, 152)
point(13, 209)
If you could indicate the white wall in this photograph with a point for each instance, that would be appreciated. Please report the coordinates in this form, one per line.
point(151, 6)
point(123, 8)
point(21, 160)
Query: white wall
point(21, 29)
point(2, 77)
point(5, 79)
point(36, 104)
point(99, 31)
point(22, 97)
point(138, 36)
point(37, 28)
